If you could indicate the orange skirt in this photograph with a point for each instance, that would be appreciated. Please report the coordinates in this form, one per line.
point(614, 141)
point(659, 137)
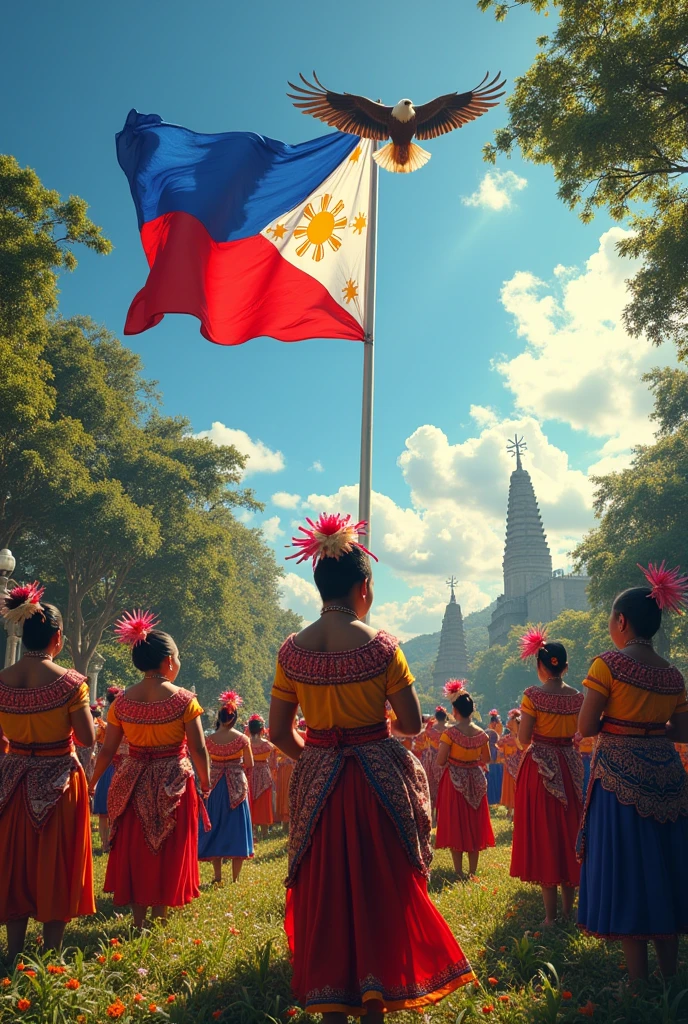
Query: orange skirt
point(284, 773)
point(261, 809)
point(508, 797)
point(47, 875)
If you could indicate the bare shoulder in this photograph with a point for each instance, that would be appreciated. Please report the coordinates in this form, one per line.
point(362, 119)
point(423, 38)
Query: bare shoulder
point(569, 690)
point(328, 637)
point(475, 729)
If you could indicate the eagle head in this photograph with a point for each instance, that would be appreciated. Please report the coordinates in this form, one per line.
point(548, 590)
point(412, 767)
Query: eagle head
point(404, 110)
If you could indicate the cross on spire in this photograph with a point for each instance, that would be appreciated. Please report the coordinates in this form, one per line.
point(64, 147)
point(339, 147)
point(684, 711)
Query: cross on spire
point(452, 583)
point(515, 447)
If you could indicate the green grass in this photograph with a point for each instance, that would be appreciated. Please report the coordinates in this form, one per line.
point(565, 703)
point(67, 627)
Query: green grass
point(224, 958)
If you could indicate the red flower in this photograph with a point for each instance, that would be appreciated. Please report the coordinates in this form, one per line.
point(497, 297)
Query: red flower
point(101, 959)
point(198, 942)
point(566, 994)
point(502, 949)
point(29, 974)
point(292, 1011)
point(73, 984)
point(115, 942)
point(587, 1010)
point(20, 967)
point(23, 1004)
point(138, 998)
point(217, 1014)
point(56, 969)
point(493, 981)
point(116, 957)
point(488, 1008)
point(152, 1008)
point(116, 1009)
point(503, 999)
point(536, 935)
point(171, 999)
point(6, 982)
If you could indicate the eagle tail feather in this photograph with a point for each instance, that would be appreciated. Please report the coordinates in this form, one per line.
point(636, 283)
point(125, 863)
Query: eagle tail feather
point(401, 159)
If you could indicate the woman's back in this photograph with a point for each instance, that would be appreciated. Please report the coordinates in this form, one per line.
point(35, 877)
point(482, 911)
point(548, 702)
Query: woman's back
point(36, 702)
point(154, 723)
point(636, 692)
point(555, 710)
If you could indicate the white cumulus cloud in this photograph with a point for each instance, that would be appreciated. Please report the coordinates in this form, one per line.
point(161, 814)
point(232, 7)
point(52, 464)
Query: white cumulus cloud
point(496, 190)
point(272, 528)
point(300, 595)
point(285, 500)
point(261, 459)
point(317, 467)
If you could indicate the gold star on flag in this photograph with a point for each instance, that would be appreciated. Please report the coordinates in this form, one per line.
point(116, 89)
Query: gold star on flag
point(356, 155)
point(359, 223)
point(278, 232)
point(350, 291)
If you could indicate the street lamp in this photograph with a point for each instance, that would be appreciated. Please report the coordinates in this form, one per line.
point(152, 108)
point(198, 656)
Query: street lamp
point(95, 667)
point(13, 645)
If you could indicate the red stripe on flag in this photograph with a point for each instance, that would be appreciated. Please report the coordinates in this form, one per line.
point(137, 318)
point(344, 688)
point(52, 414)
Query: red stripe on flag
point(238, 290)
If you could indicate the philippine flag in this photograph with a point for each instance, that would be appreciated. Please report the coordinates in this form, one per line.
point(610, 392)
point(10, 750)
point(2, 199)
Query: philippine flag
point(252, 236)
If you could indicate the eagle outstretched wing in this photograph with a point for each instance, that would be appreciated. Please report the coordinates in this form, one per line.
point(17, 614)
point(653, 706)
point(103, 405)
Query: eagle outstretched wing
point(456, 109)
point(356, 115)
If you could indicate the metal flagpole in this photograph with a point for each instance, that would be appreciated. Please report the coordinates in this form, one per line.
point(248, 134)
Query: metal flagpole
point(366, 477)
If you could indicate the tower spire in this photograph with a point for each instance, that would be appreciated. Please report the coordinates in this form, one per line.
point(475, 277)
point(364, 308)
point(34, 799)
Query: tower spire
point(515, 447)
point(452, 583)
point(452, 656)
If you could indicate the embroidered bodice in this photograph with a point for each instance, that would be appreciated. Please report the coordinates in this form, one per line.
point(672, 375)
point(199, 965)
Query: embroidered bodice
point(42, 714)
point(261, 749)
point(467, 749)
point(346, 689)
point(555, 714)
point(635, 692)
point(232, 751)
point(157, 724)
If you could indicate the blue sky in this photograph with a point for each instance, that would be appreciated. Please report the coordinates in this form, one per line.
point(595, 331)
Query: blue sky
point(496, 308)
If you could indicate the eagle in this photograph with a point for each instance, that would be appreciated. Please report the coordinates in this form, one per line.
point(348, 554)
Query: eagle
point(361, 116)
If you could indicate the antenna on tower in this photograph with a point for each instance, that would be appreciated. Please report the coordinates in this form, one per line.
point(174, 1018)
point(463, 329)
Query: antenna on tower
point(452, 583)
point(515, 447)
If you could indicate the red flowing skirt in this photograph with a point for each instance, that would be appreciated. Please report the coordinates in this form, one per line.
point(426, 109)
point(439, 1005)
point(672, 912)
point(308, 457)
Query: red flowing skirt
point(47, 875)
point(460, 826)
point(361, 927)
point(169, 878)
point(545, 830)
point(261, 809)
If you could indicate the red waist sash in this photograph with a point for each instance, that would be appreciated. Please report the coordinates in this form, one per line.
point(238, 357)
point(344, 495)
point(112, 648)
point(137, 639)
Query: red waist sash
point(553, 741)
point(156, 753)
point(56, 749)
point(622, 727)
point(340, 737)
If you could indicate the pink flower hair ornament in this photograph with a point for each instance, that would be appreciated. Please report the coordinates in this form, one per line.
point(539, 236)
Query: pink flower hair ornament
point(454, 687)
point(257, 718)
point(133, 628)
point(532, 642)
point(23, 602)
point(494, 713)
point(330, 536)
point(231, 701)
point(667, 586)
point(514, 713)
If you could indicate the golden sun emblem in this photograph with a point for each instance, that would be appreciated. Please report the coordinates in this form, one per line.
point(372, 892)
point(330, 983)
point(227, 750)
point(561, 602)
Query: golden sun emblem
point(350, 291)
point(359, 223)
point(321, 228)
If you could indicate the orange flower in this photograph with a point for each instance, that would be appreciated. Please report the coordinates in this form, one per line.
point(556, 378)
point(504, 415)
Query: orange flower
point(502, 949)
point(138, 998)
point(566, 994)
point(101, 959)
point(116, 1009)
point(488, 1008)
point(56, 969)
point(73, 984)
point(115, 942)
point(493, 981)
point(503, 999)
point(171, 999)
point(199, 970)
point(198, 942)
point(6, 982)
point(29, 974)
point(510, 913)
point(587, 1010)
point(292, 1011)
point(20, 967)
point(117, 957)
point(23, 1004)
point(536, 935)
point(152, 1008)
point(81, 1018)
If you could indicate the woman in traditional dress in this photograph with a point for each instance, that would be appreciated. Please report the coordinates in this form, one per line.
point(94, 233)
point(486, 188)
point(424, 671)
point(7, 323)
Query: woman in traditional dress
point(511, 749)
point(285, 768)
point(463, 816)
point(364, 935)
point(103, 786)
point(549, 786)
point(634, 836)
point(153, 804)
point(260, 776)
point(45, 824)
point(231, 835)
point(495, 775)
point(433, 734)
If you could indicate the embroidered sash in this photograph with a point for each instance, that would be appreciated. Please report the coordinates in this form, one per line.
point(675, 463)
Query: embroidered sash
point(154, 779)
point(221, 766)
point(554, 756)
point(393, 773)
point(261, 779)
point(642, 772)
point(44, 778)
point(512, 759)
point(470, 781)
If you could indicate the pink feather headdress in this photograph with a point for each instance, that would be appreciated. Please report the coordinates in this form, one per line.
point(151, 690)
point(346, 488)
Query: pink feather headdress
point(532, 641)
point(454, 687)
point(667, 586)
point(514, 713)
point(23, 602)
point(133, 628)
point(114, 691)
point(231, 701)
point(257, 718)
point(494, 713)
point(331, 536)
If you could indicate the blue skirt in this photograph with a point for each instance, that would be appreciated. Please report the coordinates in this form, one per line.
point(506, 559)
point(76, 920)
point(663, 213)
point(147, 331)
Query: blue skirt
point(232, 833)
point(633, 876)
point(494, 783)
point(586, 759)
point(102, 790)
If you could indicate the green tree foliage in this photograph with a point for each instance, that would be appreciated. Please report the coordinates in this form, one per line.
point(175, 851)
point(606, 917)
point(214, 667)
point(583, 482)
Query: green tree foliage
point(605, 104)
point(38, 233)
